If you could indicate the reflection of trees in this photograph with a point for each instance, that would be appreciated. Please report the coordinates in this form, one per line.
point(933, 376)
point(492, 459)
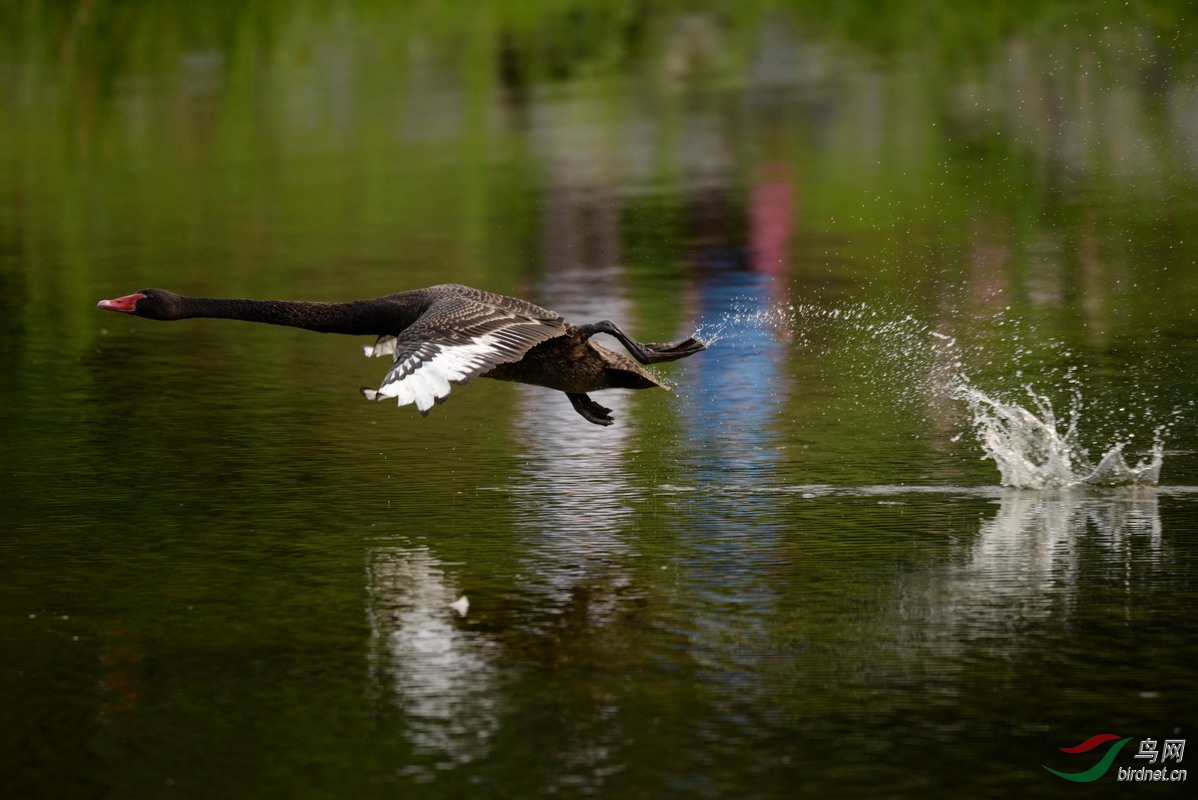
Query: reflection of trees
point(235, 100)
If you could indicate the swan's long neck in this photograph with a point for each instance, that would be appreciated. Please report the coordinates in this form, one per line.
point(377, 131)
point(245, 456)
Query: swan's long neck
point(360, 317)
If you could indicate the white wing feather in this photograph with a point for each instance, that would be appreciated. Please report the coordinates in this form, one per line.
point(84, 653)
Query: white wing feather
point(463, 335)
point(385, 346)
point(425, 380)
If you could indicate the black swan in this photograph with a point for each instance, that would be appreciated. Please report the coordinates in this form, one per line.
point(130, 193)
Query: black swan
point(448, 334)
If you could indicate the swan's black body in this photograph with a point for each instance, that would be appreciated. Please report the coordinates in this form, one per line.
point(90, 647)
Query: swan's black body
point(448, 334)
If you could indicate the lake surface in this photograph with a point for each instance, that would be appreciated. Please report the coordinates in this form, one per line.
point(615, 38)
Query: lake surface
point(924, 513)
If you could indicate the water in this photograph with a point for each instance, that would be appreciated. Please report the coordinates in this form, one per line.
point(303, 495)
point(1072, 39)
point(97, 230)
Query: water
point(909, 361)
point(1032, 452)
point(921, 516)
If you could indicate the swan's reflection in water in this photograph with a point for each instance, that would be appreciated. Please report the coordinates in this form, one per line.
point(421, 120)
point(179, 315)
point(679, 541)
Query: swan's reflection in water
point(573, 515)
point(572, 503)
point(576, 504)
point(1032, 549)
point(443, 676)
point(1029, 561)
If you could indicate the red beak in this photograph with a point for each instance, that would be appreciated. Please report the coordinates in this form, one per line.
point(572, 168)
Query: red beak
point(126, 304)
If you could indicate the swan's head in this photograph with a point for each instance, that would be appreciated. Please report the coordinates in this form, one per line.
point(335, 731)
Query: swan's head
point(148, 303)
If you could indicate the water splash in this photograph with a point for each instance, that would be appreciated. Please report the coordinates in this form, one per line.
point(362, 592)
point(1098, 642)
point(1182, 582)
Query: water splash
point(1030, 444)
point(1036, 450)
point(912, 362)
point(744, 317)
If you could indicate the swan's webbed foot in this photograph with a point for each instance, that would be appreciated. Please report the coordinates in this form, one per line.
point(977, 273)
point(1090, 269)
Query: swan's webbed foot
point(590, 410)
point(645, 353)
point(672, 351)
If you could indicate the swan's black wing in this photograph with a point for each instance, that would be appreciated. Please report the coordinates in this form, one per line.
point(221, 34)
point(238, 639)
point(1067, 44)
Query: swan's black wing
point(463, 334)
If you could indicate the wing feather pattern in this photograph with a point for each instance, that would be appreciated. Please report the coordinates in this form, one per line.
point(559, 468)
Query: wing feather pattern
point(459, 337)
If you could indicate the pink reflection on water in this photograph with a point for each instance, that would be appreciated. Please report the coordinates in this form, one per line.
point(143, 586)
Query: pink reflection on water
point(772, 210)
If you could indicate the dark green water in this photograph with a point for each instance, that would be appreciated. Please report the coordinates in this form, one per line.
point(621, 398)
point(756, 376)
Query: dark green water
point(223, 573)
